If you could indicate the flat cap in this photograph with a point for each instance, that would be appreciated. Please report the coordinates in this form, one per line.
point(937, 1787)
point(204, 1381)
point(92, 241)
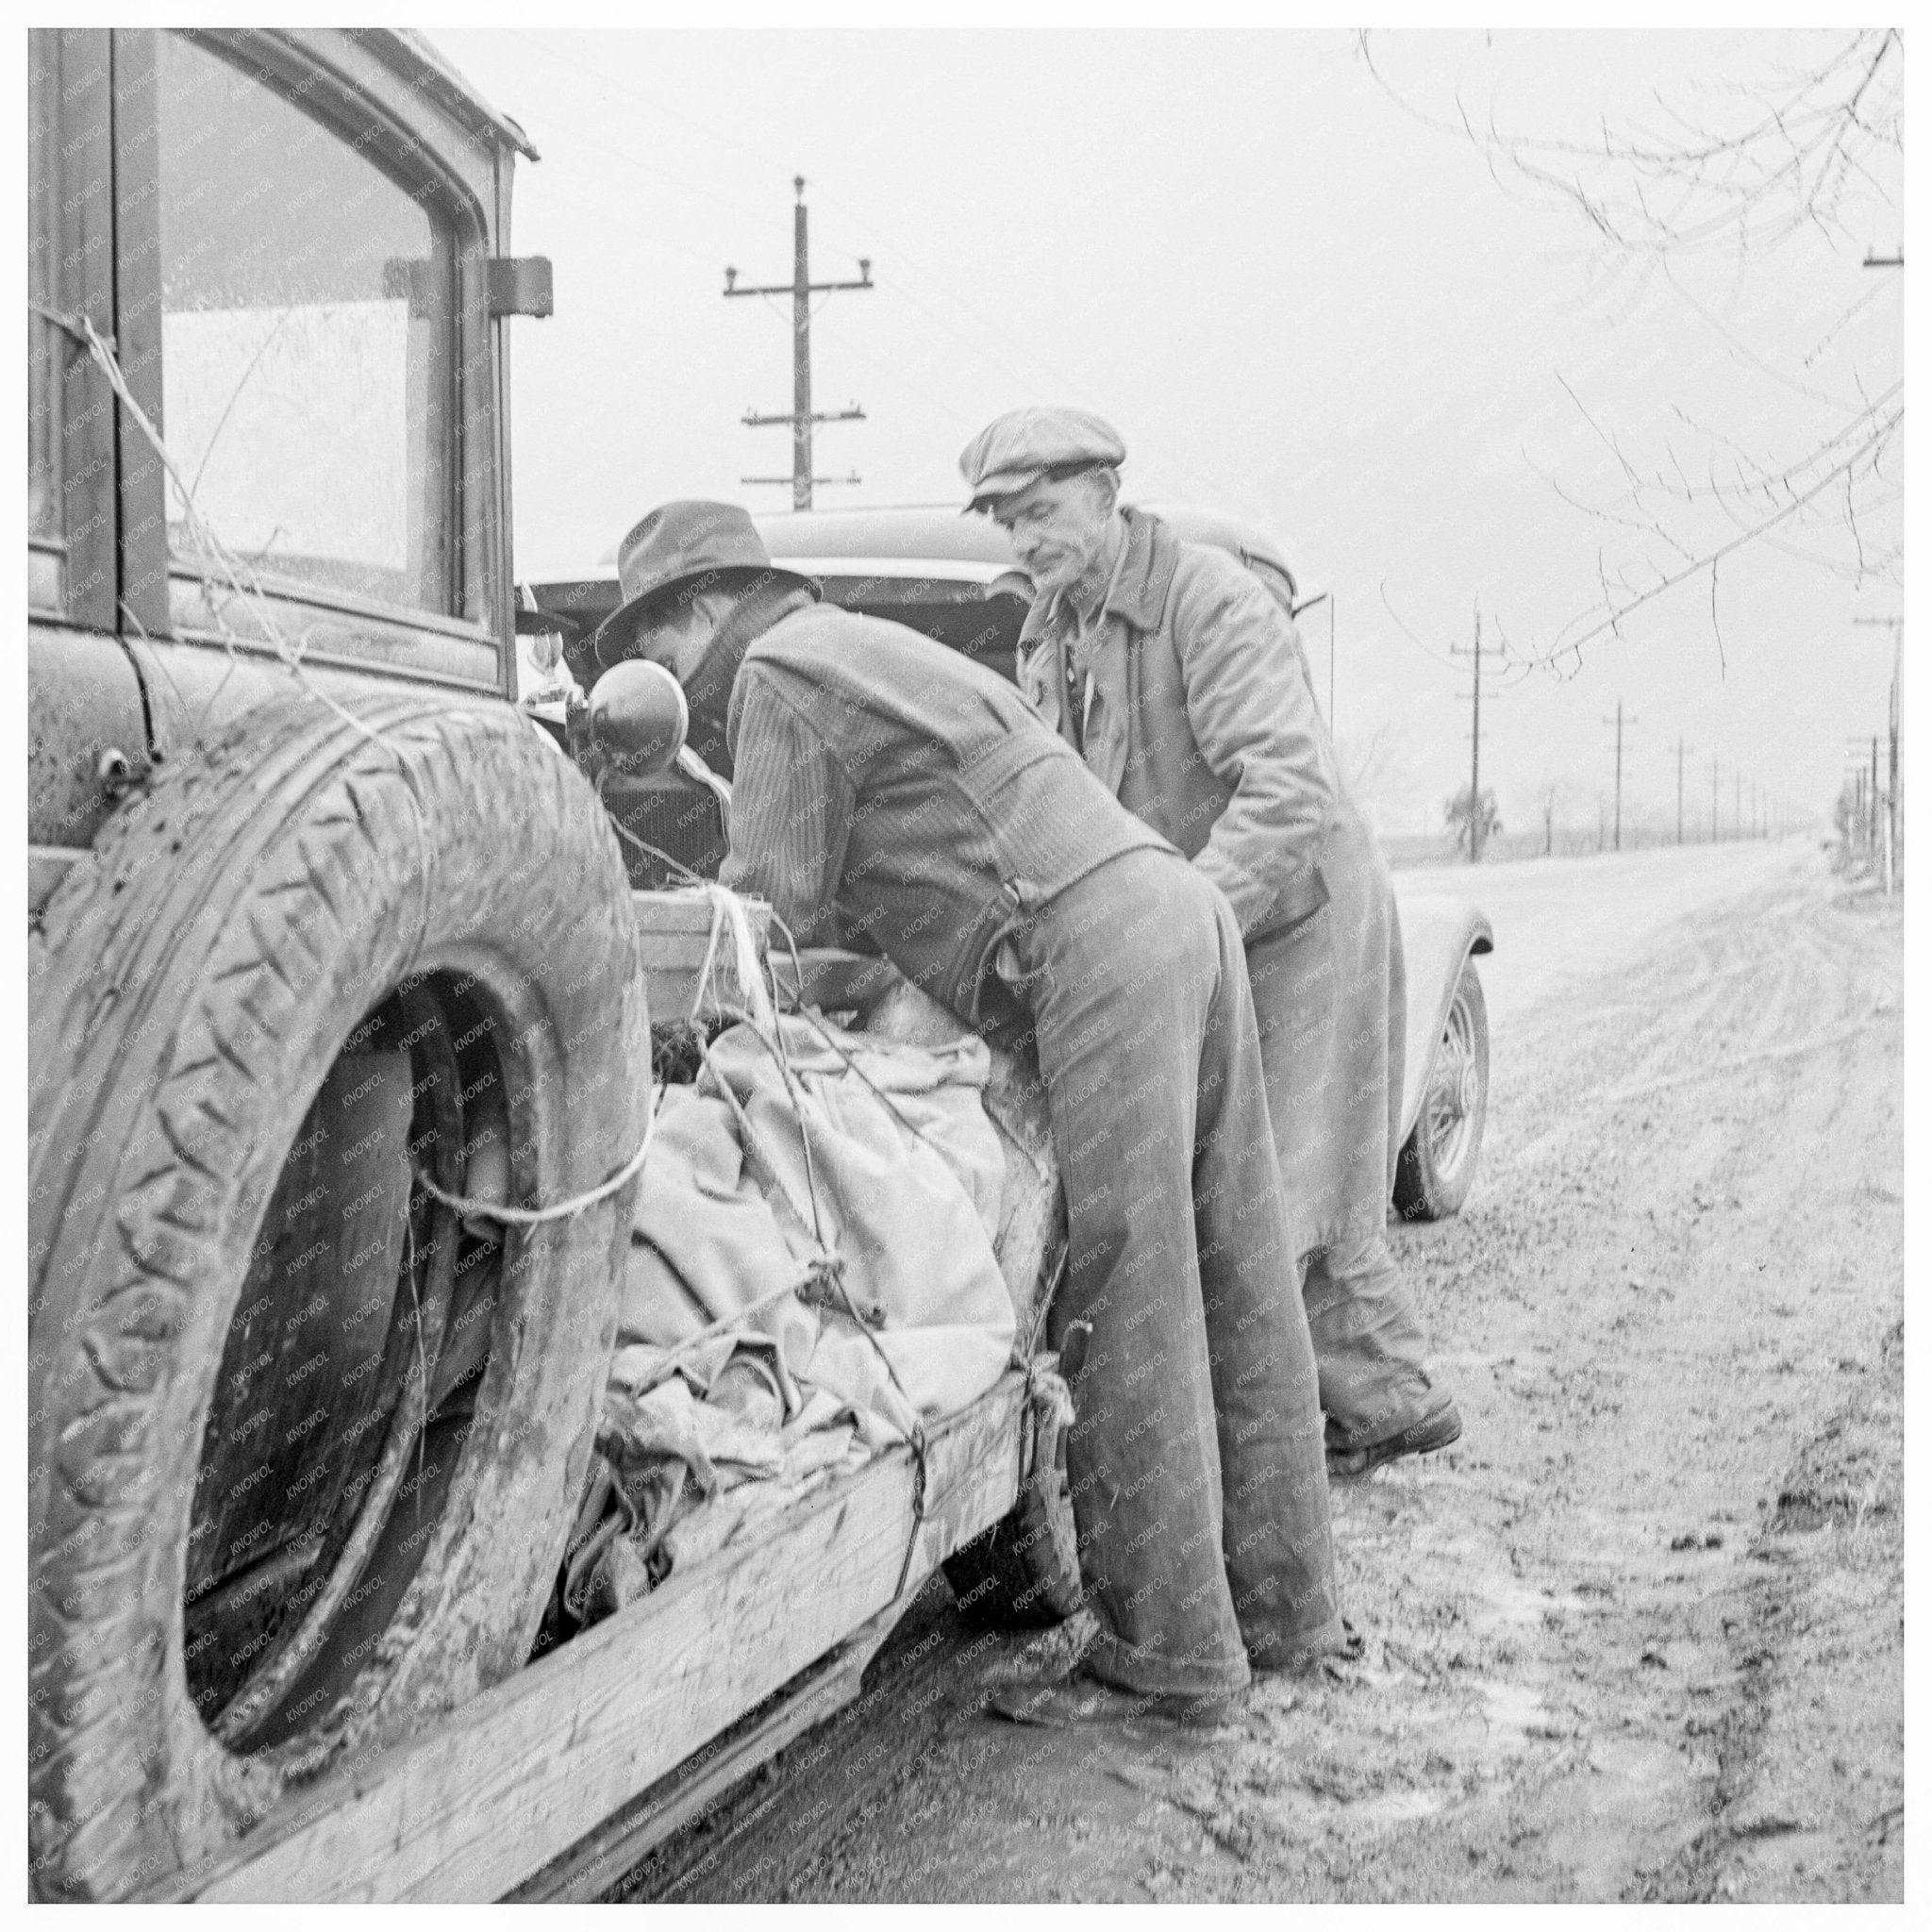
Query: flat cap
point(1021, 446)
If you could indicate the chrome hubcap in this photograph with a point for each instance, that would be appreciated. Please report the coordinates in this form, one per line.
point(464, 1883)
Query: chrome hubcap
point(1455, 1091)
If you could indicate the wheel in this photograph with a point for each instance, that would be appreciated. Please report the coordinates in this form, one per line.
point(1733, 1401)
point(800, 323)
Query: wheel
point(1023, 1573)
point(303, 1447)
point(1438, 1161)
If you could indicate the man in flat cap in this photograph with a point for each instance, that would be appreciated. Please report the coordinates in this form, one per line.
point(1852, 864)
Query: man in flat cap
point(890, 796)
point(1180, 680)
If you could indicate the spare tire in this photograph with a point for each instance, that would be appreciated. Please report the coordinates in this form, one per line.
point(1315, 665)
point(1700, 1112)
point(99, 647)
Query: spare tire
point(282, 1396)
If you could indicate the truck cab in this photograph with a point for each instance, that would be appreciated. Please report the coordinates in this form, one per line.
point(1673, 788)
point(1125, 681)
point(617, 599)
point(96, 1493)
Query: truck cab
point(285, 998)
point(293, 246)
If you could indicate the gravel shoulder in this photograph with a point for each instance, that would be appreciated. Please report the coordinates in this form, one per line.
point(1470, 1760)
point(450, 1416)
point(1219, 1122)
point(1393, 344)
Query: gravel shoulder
point(1640, 1633)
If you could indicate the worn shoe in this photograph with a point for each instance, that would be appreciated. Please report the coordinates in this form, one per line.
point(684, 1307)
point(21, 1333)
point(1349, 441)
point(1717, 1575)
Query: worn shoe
point(1345, 1647)
point(1435, 1431)
point(1078, 1699)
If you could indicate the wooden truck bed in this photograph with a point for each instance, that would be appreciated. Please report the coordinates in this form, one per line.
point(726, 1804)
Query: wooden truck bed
point(552, 1783)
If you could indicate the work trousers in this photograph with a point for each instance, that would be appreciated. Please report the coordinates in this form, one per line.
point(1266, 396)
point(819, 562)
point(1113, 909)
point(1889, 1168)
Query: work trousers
point(1332, 1143)
point(1200, 1487)
point(1370, 1348)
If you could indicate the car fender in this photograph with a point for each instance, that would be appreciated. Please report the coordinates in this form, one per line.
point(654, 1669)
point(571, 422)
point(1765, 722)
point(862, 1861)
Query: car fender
point(1440, 931)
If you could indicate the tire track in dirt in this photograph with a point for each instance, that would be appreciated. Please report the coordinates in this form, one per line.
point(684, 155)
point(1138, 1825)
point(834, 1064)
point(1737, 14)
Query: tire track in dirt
point(1811, 1798)
point(1650, 1285)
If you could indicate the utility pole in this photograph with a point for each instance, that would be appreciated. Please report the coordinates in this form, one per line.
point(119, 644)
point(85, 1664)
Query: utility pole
point(1874, 804)
point(1894, 821)
point(1895, 825)
point(800, 288)
point(1874, 833)
point(1475, 742)
point(1680, 790)
point(1617, 836)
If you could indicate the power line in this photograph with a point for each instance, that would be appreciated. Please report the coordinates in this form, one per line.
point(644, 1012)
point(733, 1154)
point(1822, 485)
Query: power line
point(629, 104)
point(801, 415)
point(542, 187)
point(955, 305)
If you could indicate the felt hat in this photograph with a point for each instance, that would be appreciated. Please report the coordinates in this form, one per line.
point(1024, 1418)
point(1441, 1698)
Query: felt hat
point(686, 546)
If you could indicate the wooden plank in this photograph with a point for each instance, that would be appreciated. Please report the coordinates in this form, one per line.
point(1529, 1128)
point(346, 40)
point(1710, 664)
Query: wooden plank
point(761, 1840)
point(674, 936)
point(522, 1773)
point(582, 1874)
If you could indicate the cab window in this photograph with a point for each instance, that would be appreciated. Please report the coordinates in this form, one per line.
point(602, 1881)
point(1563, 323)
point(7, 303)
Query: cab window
point(46, 349)
point(308, 340)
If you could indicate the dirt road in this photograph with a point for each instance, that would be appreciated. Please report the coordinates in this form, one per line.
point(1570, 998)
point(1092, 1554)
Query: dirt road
point(1640, 1633)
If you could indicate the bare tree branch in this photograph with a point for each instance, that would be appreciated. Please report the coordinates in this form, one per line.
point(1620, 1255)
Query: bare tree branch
point(1617, 612)
point(1752, 166)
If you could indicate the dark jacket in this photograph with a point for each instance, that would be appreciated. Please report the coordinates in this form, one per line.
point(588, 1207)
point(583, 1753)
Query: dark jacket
point(1197, 721)
point(892, 796)
point(1203, 720)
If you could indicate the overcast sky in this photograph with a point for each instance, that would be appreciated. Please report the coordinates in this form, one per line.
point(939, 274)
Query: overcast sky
point(1293, 298)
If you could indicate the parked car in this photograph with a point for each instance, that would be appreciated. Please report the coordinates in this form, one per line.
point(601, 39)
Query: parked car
point(955, 578)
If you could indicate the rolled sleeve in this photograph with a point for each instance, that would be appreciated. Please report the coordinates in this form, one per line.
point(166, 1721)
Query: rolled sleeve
point(1252, 714)
point(791, 808)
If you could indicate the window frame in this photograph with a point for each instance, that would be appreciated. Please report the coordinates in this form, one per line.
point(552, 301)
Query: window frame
point(75, 191)
point(360, 115)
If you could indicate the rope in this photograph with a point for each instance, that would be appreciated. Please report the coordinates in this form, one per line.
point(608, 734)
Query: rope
point(63, 319)
point(724, 1324)
point(728, 907)
point(1053, 1287)
point(812, 1020)
point(813, 1229)
point(728, 912)
point(644, 845)
point(209, 546)
point(536, 1217)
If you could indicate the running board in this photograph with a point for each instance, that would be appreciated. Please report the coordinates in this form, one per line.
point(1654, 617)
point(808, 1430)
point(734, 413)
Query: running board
point(598, 1861)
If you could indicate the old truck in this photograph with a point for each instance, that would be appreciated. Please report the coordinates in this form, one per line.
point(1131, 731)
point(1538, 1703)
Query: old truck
point(331, 941)
point(325, 936)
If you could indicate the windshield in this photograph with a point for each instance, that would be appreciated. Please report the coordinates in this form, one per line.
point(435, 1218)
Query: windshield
point(307, 323)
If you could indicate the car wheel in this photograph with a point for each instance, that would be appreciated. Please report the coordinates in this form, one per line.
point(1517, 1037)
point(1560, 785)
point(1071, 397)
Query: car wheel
point(305, 1445)
point(1438, 1159)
